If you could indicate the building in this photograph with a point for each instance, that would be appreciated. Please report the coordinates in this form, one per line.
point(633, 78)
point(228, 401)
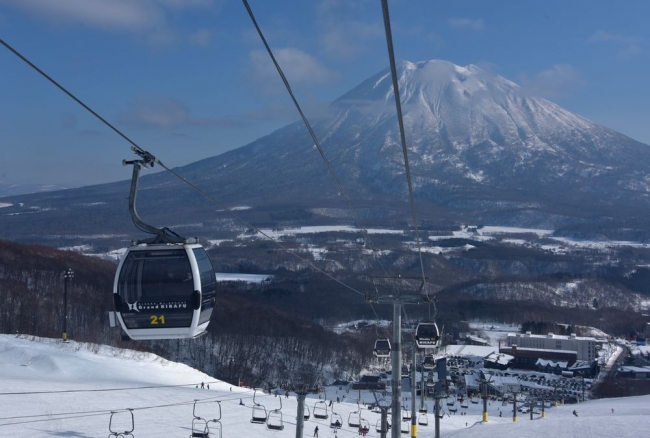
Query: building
point(585, 347)
point(497, 361)
point(370, 382)
point(528, 357)
point(634, 372)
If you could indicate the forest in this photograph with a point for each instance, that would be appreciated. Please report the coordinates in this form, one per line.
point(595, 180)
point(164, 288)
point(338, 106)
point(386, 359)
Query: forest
point(259, 334)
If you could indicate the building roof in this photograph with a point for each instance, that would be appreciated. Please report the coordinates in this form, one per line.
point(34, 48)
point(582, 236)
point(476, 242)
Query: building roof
point(630, 369)
point(551, 363)
point(551, 336)
point(499, 358)
point(546, 350)
point(580, 365)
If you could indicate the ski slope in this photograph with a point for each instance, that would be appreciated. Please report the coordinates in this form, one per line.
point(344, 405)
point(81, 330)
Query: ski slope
point(48, 388)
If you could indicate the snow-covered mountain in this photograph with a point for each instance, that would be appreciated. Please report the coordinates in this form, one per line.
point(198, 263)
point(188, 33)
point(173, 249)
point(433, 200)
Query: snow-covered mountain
point(475, 139)
point(481, 150)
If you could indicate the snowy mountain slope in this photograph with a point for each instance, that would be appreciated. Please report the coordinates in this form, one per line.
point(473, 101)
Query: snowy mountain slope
point(54, 389)
point(471, 136)
point(479, 147)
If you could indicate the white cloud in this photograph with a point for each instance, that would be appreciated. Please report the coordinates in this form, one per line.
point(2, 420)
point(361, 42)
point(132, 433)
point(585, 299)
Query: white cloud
point(625, 46)
point(104, 14)
point(556, 82)
point(144, 17)
point(300, 68)
point(466, 23)
point(161, 112)
point(201, 37)
point(343, 32)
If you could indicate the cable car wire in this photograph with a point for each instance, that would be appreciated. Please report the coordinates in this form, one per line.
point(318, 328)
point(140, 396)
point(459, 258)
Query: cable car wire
point(173, 172)
point(400, 120)
point(309, 128)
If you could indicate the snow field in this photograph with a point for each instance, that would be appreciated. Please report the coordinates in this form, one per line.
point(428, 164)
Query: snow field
point(49, 388)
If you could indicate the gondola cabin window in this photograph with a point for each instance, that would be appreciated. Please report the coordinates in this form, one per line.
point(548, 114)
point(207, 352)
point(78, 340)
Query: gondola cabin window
point(157, 288)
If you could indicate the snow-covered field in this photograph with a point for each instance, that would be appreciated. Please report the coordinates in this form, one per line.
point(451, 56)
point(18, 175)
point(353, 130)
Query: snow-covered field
point(53, 389)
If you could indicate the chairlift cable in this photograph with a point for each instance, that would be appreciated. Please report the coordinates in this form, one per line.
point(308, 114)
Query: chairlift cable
point(70, 415)
point(400, 120)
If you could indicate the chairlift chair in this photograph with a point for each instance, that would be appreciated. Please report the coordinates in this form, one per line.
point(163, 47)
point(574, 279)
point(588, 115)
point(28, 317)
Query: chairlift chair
point(259, 411)
point(406, 414)
point(382, 347)
point(320, 410)
point(423, 420)
point(429, 362)
point(165, 286)
point(364, 424)
point(378, 425)
point(427, 335)
point(120, 434)
point(201, 426)
point(336, 420)
point(354, 419)
point(405, 427)
point(306, 413)
point(274, 420)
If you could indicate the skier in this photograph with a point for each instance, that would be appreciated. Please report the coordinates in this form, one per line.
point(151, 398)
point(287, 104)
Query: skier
point(316, 432)
point(202, 385)
point(575, 412)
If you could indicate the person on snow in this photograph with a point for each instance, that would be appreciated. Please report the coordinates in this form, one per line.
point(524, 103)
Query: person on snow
point(575, 412)
point(316, 432)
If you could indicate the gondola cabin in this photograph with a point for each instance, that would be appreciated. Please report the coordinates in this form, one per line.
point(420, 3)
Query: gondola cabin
point(382, 348)
point(427, 335)
point(429, 362)
point(164, 291)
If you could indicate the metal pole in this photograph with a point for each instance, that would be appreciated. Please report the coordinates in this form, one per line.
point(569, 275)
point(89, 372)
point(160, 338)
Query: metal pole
point(514, 407)
point(485, 399)
point(414, 424)
point(436, 401)
point(384, 422)
point(397, 370)
point(422, 386)
point(67, 275)
point(300, 414)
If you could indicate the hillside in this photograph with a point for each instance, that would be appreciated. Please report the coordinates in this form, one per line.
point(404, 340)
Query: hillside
point(50, 388)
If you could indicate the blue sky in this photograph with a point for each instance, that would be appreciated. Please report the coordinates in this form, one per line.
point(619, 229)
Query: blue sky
point(189, 79)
